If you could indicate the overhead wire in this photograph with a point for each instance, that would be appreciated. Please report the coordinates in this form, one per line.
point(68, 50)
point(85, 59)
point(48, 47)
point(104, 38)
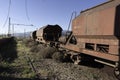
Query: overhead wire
point(7, 17)
point(26, 9)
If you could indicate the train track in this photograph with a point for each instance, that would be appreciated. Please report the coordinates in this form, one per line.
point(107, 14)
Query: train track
point(32, 66)
point(35, 68)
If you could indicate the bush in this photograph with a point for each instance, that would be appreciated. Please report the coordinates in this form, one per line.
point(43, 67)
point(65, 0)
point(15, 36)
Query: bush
point(47, 52)
point(36, 48)
point(19, 39)
point(8, 49)
point(58, 56)
point(29, 42)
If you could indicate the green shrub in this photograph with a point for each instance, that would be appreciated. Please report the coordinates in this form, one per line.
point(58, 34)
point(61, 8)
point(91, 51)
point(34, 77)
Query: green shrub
point(36, 48)
point(58, 56)
point(47, 52)
point(29, 42)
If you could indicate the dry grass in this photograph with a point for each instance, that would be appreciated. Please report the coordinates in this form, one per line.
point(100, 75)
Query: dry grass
point(17, 69)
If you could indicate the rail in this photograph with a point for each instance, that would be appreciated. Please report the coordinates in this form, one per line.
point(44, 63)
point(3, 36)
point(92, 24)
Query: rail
point(29, 61)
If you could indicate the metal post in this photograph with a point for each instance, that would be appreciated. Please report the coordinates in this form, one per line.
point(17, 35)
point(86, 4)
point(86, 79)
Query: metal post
point(24, 34)
point(9, 28)
point(13, 29)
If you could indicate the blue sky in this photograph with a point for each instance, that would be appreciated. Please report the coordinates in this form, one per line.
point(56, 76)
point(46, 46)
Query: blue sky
point(41, 12)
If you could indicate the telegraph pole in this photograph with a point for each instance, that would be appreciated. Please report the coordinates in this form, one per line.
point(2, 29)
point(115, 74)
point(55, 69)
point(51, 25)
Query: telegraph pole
point(13, 29)
point(9, 28)
point(24, 33)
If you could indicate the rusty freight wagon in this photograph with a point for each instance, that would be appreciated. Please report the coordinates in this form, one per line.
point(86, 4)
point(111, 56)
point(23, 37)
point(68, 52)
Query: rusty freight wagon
point(47, 34)
point(96, 33)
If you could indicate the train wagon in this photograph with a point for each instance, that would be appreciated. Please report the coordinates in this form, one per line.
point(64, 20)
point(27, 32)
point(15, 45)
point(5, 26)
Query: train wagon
point(33, 35)
point(47, 34)
point(96, 33)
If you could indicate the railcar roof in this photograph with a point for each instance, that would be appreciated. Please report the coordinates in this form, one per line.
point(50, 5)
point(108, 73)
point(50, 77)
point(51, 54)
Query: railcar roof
point(96, 6)
point(50, 26)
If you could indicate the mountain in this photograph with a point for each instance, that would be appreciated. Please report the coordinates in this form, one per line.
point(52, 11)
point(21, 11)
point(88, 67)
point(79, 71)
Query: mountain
point(27, 34)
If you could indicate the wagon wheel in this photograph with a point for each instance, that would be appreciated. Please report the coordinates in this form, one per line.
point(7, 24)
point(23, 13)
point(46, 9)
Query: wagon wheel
point(117, 72)
point(76, 59)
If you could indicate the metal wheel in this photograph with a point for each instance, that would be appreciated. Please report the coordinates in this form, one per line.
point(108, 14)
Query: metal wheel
point(76, 59)
point(117, 72)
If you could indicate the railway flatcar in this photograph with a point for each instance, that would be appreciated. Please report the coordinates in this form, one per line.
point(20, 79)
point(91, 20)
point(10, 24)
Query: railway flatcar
point(96, 33)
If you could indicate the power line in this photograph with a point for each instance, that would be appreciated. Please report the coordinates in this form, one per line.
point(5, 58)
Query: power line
point(7, 13)
point(22, 24)
point(26, 9)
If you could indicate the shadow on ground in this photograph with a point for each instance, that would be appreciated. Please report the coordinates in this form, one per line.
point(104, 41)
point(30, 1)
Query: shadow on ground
point(8, 49)
point(92, 64)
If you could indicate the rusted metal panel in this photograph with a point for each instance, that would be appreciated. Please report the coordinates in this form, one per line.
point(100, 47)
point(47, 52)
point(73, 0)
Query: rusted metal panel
point(106, 22)
point(95, 23)
point(101, 55)
point(107, 56)
point(114, 49)
point(99, 20)
point(78, 24)
point(112, 41)
point(71, 47)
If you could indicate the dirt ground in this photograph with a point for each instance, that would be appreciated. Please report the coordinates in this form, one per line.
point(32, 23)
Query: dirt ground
point(69, 71)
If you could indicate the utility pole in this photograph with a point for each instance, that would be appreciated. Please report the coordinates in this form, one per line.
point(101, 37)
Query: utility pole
point(13, 29)
point(9, 28)
point(24, 33)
